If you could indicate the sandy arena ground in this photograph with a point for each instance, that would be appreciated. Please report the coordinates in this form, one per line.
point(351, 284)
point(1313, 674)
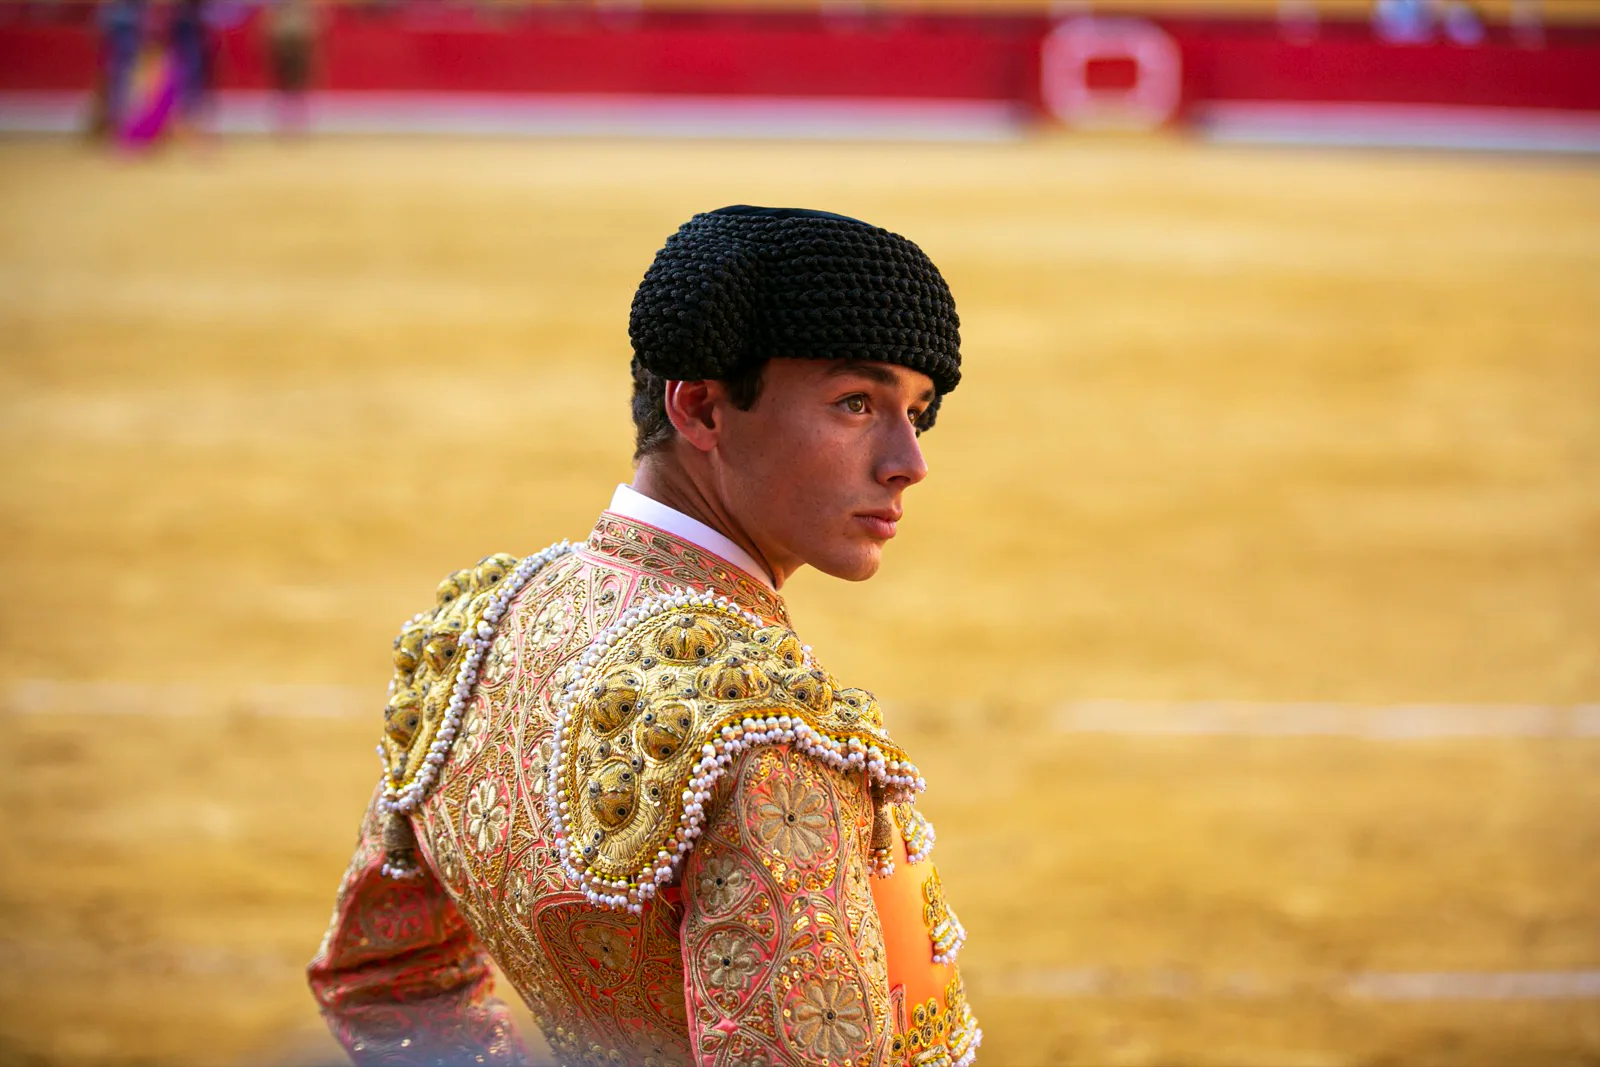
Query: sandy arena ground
point(1238, 425)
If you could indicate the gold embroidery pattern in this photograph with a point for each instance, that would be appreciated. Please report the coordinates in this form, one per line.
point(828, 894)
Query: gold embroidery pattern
point(785, 974)
point(606, 989)
point(647, 548)
point(665, 701)
point(437, 659)
point(425, 654)
point(944, 929)
point(916, 831)
point(946, 1036)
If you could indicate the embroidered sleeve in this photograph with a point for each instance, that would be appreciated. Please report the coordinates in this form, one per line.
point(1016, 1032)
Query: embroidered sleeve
point(399, 977)
point(784, 959)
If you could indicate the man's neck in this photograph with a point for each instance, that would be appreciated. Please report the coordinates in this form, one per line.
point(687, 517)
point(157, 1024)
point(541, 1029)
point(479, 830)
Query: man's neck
point(665, 481)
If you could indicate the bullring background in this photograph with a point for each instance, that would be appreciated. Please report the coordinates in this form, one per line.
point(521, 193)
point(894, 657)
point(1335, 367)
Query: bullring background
point(1248, 626)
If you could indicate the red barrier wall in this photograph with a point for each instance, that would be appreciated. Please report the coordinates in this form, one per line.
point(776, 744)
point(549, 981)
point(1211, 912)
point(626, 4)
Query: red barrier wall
point(432, 48)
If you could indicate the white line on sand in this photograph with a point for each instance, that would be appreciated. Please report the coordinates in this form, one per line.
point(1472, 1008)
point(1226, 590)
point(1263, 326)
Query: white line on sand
point(48, 696)
point(78, 955)
point(1379, 722)
point(1382, 986)
point(1212, 718)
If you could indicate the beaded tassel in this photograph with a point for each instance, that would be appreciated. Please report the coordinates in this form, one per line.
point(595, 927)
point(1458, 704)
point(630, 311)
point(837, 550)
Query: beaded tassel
point(882, 835)
point(399, 847)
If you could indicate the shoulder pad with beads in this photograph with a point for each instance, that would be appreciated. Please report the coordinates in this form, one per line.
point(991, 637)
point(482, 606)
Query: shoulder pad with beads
point(436, 660)
point(662, 702)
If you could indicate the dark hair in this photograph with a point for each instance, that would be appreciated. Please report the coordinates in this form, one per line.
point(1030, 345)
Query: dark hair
point(653, 431)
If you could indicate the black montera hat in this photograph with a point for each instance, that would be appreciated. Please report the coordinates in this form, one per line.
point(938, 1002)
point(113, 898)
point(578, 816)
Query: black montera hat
point(742, 284)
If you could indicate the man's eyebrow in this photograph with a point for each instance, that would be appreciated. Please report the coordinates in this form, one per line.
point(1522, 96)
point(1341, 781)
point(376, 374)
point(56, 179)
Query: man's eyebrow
point(881, 375)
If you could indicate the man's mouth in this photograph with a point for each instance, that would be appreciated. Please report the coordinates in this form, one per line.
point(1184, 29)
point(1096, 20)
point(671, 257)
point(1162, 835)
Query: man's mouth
point(880, 524)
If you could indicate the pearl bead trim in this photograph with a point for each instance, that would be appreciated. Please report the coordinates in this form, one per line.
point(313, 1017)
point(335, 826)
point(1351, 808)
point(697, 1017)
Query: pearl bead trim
point(399, 873)
point(949, 942)
point(919, 838)
point(400, 797)
point(882, 863)
point(898, 777)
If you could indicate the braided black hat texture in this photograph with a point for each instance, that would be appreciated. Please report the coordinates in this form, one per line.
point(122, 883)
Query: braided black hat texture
point(742, 284)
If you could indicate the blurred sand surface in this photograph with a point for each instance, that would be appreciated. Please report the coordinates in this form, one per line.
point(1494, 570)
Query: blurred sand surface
point(1236, 425)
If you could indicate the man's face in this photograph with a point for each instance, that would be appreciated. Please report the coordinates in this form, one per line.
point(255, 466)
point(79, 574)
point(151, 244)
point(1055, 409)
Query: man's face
point(815, 470)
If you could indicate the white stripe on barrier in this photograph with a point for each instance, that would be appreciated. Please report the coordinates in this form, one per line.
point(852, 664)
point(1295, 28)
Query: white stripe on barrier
point(1389, 125)
point(575, 115)
point(1380, 986)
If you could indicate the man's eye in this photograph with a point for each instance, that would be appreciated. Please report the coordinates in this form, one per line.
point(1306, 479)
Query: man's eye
point(855, 405)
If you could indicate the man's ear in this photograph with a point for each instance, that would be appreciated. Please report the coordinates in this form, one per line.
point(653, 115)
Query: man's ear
point(693, 408)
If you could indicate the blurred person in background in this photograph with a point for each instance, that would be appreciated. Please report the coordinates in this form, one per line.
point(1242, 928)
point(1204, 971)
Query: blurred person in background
point(614, 769)
point(291, 52)
point(1527, 23)
point(1403, 21)
point(150, 101)
point(194, 58)
point(1298, 20)
point(1416, 21)
point(1462, 23)
point(121, 24)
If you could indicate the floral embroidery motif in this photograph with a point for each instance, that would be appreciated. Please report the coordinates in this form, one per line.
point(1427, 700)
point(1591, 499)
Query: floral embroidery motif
point(449, 863)
point(792, 821)
point(474, 728)
point(501, 660)
point(522, 894)
point(551, 624)
point(539, 770)
point(721, 884)
point(728, 961)
point(487, 817)
point(812, 959)
point(828, 1019)
point(605, 946)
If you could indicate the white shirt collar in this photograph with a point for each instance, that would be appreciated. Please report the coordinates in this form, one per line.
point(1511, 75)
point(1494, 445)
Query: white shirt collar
point(632, 504)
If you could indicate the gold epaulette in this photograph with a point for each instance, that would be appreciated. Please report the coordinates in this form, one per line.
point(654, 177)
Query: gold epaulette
point(663, 702)
point(436, 659)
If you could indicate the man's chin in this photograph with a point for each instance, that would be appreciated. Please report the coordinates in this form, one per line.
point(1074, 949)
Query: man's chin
point(853, 566)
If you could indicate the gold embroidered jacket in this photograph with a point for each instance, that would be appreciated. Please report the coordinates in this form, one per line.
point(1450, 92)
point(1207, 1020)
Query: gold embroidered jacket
point(680, 838)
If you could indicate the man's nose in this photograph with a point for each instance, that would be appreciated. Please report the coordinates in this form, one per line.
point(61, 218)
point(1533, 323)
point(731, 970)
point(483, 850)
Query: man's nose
point(902, 464)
